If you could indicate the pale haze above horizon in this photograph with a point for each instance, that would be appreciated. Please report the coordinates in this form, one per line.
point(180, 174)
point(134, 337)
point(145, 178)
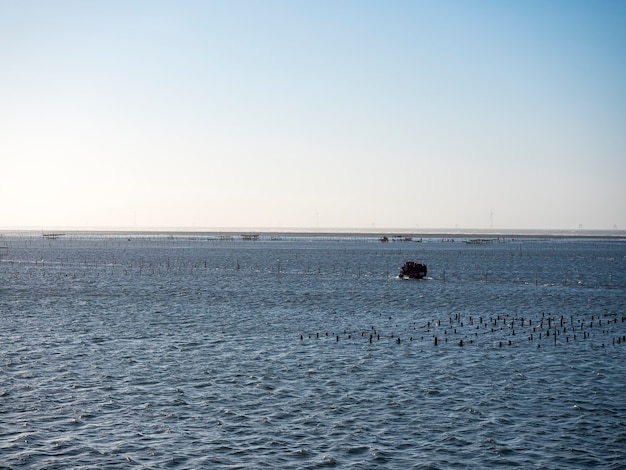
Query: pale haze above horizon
point(325, 113)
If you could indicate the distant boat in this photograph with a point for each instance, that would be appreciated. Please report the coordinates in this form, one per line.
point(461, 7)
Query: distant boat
point(480, 241)
point(52, 236)
point(413, 270)
point(250, 237)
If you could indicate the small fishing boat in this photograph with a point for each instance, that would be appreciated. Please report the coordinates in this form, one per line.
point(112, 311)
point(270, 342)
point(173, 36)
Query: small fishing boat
point(413, 270)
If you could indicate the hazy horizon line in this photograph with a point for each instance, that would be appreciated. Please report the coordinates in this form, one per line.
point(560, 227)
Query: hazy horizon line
point(416, 231)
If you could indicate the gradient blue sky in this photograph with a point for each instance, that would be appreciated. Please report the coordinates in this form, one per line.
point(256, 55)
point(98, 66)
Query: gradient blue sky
point(297, 114)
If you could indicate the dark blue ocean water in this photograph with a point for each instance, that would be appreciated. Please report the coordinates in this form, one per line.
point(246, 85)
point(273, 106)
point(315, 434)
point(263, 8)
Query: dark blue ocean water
point(306, 352)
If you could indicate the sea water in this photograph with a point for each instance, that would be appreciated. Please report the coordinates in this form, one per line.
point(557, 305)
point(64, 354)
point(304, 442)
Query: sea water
point(200, 351)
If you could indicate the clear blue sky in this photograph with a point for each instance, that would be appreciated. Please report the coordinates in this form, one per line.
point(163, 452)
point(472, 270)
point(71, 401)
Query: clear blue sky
point(336, 114)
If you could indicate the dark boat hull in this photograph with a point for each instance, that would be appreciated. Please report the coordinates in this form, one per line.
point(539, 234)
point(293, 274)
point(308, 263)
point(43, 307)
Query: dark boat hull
point(413, 270)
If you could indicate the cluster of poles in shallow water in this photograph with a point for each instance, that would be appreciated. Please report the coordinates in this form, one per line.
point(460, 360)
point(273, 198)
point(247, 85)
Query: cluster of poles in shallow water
point(505, 331)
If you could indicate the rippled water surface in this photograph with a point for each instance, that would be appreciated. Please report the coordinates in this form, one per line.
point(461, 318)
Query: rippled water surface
point(306, 352)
